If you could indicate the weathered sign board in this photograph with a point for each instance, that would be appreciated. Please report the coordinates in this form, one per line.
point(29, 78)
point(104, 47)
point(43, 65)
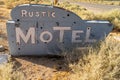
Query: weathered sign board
point(43, 30)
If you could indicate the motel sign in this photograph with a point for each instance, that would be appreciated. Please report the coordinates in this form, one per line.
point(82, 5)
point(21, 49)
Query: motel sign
point(49, 30)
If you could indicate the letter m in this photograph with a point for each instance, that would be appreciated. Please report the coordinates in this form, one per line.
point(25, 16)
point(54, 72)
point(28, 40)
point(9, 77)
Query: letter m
point(25, 38)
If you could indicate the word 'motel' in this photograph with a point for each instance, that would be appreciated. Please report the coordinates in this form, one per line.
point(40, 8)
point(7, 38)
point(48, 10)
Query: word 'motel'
point(42, 30)
point(31, 33)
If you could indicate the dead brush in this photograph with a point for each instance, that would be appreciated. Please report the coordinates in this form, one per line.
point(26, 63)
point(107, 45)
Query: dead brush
point(99, 63)
point(7, 72)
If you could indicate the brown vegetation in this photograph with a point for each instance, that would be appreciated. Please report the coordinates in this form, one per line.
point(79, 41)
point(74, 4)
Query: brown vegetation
point(106, 2)
point(98, 63)
point(112, 16)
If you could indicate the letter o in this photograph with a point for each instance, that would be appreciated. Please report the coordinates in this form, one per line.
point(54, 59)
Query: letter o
point(46, 33)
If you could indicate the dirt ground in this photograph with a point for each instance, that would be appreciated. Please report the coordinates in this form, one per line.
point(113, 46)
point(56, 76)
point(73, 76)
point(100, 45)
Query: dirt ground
point(42, 68)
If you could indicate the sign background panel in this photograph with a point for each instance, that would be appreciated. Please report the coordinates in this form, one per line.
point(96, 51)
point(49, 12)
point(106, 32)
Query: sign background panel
point(52, 21)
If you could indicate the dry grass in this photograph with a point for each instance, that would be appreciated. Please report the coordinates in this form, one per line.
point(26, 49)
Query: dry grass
point(6, 73)
point(1, 2)
point(12, 3)
point(80, 11)
point(3, 38)
point(99, 63)
point(106, 2)
point(112, 16)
